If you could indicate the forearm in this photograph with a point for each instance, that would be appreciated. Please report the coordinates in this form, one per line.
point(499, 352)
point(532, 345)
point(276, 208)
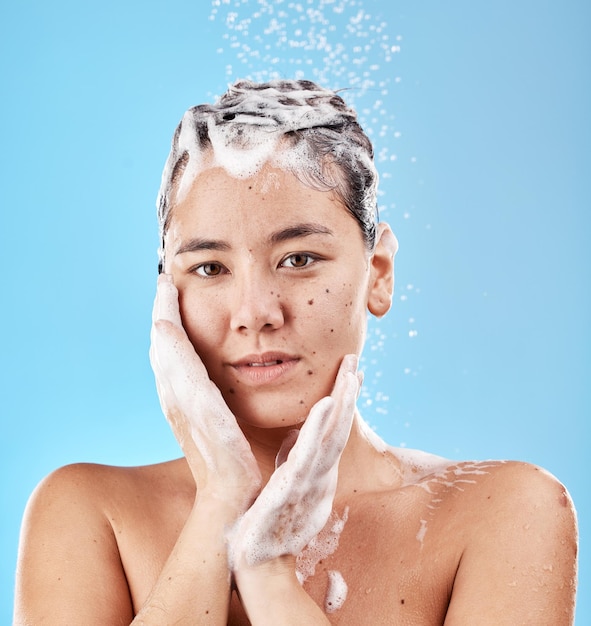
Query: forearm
point(194, 585)
point(271, 594)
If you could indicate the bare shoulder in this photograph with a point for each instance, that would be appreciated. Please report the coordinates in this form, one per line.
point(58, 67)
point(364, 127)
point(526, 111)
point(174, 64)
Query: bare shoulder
point(88, 489)
point(496, 485)
point(69, 545)
point(516, 526)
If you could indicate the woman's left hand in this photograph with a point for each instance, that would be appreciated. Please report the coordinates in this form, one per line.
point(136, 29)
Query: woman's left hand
point(296, 502)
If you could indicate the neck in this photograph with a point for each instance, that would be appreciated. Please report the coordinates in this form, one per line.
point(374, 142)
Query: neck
point(364, 466)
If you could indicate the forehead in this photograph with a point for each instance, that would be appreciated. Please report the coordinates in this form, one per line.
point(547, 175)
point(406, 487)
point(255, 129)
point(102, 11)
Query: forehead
point(272, 198)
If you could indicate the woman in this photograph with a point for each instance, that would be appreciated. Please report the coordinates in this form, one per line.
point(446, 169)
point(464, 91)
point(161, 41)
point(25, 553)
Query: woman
point(285, 508)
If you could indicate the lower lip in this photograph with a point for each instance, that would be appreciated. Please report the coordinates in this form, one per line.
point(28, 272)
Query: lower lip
point(263, 374)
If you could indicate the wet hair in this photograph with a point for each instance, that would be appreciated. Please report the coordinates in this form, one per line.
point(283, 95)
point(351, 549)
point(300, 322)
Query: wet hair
point(295, 125)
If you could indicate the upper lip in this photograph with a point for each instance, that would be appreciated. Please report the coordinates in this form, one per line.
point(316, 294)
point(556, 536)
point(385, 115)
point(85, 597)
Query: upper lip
point(266, 358)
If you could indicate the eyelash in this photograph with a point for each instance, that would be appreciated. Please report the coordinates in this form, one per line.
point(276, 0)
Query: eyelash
point(200, 269)
point(218, 266)
point(310, 259)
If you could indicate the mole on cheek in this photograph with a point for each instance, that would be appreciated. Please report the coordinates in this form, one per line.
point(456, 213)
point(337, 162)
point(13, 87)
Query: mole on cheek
point(311, 301)
point(231, 390)
point(310, 372)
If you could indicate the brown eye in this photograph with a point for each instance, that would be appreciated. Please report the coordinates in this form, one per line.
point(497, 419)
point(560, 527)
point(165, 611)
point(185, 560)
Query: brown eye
point(209, 270)
point(297, 260)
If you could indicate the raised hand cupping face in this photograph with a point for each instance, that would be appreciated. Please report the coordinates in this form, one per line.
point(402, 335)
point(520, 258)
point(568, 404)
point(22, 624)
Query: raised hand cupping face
point(297, 501)
point(219, 455)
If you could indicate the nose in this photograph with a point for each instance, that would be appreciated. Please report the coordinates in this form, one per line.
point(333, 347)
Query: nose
point(257, 304)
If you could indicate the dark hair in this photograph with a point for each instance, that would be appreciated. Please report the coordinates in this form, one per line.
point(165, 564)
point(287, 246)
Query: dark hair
point(301, 126)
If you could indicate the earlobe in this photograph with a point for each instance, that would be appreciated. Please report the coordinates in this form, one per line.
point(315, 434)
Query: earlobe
point(381, 287)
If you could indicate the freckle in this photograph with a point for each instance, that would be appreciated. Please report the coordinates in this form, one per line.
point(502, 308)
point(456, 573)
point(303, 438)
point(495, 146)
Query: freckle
point(278, 295)
point(231, 390)
point(332, 330)
point(314, 352)
point(327, 290)
point(272, 292)
point(301, 402)
point(311, 301)
point(402, 601)
point(310, 372)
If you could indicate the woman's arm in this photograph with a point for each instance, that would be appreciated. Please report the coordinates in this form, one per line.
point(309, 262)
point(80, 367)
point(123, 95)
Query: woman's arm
point(194, 585)
point(68, 569)
point(519, 565)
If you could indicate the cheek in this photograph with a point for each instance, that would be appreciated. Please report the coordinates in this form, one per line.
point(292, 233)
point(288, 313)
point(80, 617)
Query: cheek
point(339, 314)
point(200, 320)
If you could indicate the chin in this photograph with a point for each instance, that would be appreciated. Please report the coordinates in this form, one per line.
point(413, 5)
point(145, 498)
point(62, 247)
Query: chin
point(269, 413)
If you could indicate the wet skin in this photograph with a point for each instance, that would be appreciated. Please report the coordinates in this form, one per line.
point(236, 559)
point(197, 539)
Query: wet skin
point(274, 285)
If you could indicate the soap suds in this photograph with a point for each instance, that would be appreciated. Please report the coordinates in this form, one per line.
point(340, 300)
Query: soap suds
point(248, 128)
point(422, 531)
point(336, 594)
point(322, 545)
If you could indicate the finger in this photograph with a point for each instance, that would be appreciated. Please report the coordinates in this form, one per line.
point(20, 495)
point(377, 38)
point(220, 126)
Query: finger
point(286, 446)
point(197, 396)
point(174, 354)
point(166, 303)
point(329, 423)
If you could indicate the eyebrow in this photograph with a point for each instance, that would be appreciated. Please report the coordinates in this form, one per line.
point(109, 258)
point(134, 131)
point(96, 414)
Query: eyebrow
point(285, 234)
point(299, 230)
point(198, 243)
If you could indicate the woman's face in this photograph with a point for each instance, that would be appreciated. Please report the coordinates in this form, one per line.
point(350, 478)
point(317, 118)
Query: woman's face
point(274, 283)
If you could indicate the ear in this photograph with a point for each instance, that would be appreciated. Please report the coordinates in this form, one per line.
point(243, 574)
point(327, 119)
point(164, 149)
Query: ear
point(381, 283)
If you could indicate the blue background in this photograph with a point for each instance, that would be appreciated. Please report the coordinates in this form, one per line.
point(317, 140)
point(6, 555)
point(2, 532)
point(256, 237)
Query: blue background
point(479, 112)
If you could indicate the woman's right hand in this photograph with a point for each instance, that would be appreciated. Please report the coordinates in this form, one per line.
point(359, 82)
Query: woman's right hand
point(218, 454)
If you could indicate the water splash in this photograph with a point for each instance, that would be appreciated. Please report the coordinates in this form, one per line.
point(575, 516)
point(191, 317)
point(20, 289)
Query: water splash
point(343, 45)
point(335, 42)
point(338, 43)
